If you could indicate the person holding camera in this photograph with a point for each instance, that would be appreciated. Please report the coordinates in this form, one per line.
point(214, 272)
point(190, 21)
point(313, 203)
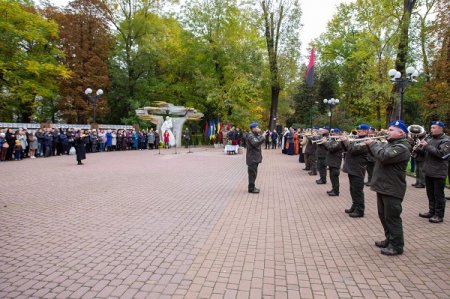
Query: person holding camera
point(254, 141)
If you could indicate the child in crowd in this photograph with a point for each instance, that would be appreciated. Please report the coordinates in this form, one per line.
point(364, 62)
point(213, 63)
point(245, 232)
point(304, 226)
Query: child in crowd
point(18, 150)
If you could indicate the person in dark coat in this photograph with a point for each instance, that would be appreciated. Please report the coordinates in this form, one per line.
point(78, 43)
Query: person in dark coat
point(274, 137)
point(334, 161)
point(355, 167)
point(321, 155)
point(370, 161)
point(389, 182)
point(80, 146)
point(254, 140)
point(419, 157)
point(436, 169)
point(10, 138)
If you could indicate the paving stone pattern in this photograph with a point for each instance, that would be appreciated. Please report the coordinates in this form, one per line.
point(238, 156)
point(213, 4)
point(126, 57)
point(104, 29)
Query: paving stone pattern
point(143, 225)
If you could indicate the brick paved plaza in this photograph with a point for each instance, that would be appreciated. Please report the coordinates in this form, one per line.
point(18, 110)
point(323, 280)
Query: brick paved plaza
point(142, 225)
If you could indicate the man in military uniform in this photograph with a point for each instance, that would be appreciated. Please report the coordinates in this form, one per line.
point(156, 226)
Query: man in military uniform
point(254, 141)
point(419, 157)
point(355, 167)
point(321, 154)
point(389, 181)
point(370, 160)
point(311, 150)
point(435, 168)
point(334, 160)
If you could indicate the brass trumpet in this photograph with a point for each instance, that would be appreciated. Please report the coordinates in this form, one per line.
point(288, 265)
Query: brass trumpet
point(326, 139)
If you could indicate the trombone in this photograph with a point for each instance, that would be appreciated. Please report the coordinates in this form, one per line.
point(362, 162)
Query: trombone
point(356, 140)
point(326, 139)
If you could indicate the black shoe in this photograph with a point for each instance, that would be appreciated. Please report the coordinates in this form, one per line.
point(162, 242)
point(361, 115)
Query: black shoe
point(382, 244)
point(436, 219)
point(255, 190)
point(320, 182)
point(368, 184)
point(425, 215)
point(391, 251)
point(306, 169)
point(312, 173)
point(348, 211)
point(333, 194)
point(415, 184)
point(420, 186)
point(331, 191)
point(447, 198)
point(356, 215)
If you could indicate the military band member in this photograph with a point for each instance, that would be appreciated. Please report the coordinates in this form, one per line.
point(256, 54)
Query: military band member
point(334, 160)
point(419, 157)
point(389, 181)
point(311, 151)
point(435, 168)
point(370, 160)
point(321, 154)
point(254, 140)
point(355, 167)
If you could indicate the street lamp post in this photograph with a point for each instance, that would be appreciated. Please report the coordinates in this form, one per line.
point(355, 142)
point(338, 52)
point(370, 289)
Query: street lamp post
point(93, 98)
point(397, 79)
point(331, 103)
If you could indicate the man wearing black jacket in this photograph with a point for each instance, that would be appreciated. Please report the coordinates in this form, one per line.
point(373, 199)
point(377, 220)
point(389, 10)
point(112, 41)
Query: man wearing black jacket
point(389, 181)
point(355, 166)
point(334, 160)
point(254, 140)
point(436, 170)
point(321, 154)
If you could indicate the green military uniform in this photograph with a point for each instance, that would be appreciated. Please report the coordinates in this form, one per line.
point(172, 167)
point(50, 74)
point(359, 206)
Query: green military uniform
point(436, 169)
point(369, 167)
point(321, 155)
point(389, 181)
point(334, 161)
point(419, 157)
point(355, 167)
point(311, 150)
point(253, 157)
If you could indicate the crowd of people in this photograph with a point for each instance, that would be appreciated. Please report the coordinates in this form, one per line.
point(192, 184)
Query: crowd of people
point(46, 142)
point(384, 155)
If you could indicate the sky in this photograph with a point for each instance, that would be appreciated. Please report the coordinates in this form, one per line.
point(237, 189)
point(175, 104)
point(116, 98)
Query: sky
point(316, 14)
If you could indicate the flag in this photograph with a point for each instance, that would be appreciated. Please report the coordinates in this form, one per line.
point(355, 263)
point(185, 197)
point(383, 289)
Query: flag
point(213, 130)
point(219, 125)
point(310, 70)
point(206, 131)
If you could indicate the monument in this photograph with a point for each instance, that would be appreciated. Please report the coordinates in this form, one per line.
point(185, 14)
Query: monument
point(167, 116)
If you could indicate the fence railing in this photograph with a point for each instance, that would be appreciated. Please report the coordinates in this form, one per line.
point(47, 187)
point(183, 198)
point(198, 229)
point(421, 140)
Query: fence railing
point(62, 126)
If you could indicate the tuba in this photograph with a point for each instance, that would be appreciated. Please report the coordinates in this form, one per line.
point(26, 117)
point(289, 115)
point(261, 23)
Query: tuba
point(416, 131)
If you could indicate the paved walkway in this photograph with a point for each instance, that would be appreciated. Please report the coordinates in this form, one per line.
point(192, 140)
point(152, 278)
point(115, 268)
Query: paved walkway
point(142, 225)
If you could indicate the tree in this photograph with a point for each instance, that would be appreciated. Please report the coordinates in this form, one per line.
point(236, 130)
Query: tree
point(129, 61)
point(29, 60)
point(281, 22)
point(86, 41)
point(226, 60)
point(436, 101)
point(402, 51)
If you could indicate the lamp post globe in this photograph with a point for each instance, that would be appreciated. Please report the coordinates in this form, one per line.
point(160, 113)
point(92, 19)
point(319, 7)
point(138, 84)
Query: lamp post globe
point(93, 99)
point(401, 82)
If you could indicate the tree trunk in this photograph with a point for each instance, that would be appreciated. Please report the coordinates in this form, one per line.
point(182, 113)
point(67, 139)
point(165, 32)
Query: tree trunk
point(271, 28)
point(402, 55)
